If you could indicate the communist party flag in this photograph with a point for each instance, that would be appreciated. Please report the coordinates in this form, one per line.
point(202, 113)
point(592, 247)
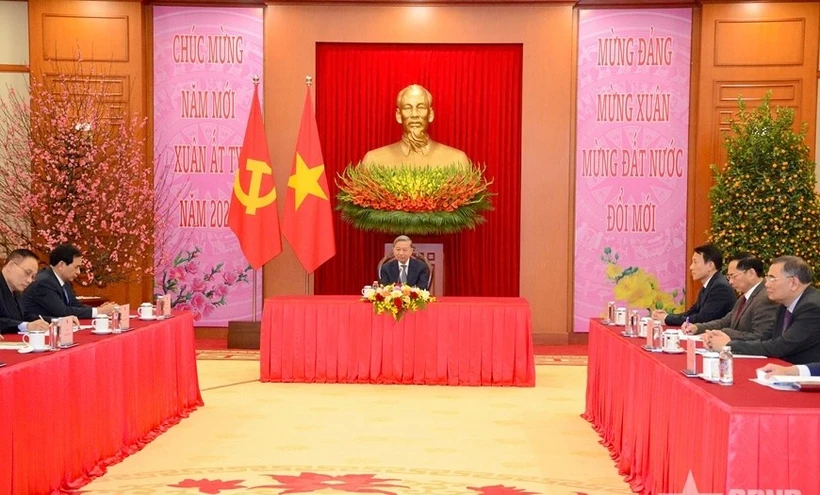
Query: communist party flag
point(308, 222)
point(253, 216)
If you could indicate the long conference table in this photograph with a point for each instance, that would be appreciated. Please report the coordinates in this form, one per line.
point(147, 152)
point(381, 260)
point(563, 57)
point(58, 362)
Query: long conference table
point(454, 341)
point(660, 425)
point(69, 414)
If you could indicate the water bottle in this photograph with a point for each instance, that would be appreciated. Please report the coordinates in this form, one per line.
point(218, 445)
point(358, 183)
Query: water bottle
point(54, 334)
point(726, 368)
point(610, 313)
point(657, 334)
point(634, 323)
point(115, 320)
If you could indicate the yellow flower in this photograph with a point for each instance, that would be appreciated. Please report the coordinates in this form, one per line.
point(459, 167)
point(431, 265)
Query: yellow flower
point(638, 289)
point(613, 270)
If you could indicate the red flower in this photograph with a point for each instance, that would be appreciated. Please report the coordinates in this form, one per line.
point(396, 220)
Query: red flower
point(414, 295)
point(379, 297)
point(500, 490)
point(209, 486)
point(397, 302)
point(314, 482)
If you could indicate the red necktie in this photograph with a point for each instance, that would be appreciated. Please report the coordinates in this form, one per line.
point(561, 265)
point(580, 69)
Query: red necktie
point(740, 307)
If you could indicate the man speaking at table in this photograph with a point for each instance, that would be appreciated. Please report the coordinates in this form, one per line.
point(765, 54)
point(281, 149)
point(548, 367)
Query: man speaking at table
point(796, 332)
point(18, 272)
point(715, 299)
point(404, 268)
point(51, 296)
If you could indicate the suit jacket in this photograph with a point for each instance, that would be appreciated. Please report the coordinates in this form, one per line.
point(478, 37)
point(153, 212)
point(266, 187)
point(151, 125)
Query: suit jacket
point(44, 297)
point(800, 343)
point(754, 322)
point(714, 301)
point(11, 315)
point(814, 369)
point(418, 275)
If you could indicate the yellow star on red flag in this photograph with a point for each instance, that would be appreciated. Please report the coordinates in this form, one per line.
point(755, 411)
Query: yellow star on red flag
point(305, 181)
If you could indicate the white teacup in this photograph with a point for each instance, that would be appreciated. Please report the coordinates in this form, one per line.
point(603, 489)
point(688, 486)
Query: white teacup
point(620, 316)
point(671, 340)
point(646, 323)
point(36, 339)
point(100, 323)
point(146, 311)
point(711, 366)
point(367, 290)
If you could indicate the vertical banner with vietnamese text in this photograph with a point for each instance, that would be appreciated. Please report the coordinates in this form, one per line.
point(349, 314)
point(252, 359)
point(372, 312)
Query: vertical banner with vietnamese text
point(204, 62)
point(631, 160)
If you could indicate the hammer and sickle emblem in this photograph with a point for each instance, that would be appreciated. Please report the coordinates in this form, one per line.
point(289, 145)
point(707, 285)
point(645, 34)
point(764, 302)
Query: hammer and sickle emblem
point(252, 200)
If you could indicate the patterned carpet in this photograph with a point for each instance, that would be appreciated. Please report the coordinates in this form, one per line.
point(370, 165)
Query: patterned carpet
point(253, 355)
point(278, 439)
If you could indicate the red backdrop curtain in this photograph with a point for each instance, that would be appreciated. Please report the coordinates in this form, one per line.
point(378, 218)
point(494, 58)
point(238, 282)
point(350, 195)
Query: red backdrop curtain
point(477, 102)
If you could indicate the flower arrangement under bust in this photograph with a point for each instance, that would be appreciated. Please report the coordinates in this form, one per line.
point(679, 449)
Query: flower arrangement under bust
point(411, 199)
point(397, 299)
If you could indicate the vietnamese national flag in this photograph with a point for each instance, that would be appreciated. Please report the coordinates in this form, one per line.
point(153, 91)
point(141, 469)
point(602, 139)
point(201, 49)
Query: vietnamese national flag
point(308, 221)
point(253, 215)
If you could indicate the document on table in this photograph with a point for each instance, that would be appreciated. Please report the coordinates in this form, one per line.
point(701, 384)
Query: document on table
point(791, 383)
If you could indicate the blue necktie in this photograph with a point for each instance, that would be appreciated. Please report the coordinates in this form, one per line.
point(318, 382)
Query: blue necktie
point(65, 294)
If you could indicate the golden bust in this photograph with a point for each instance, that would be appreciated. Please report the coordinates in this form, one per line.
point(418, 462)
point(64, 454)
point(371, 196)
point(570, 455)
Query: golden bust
point(414, 111)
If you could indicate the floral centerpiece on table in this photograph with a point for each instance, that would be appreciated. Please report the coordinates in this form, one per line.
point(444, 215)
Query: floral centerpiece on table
point(414, 200)
point(397, 299)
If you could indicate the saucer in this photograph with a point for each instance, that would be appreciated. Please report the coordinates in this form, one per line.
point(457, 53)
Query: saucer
point(28, 348)
point(148, 318)
point(104, 332)
point(676, 351)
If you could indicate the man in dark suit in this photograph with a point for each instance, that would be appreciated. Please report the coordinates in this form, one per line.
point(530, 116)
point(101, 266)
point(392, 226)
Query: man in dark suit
point(753, 316)
point(405, 268)
point(715, 299)
point(796, 333)
point(51, 296)
point(811, 369)
point(18, 272)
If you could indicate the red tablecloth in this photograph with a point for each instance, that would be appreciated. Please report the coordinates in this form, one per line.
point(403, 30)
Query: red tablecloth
point(454, 341)
point(69, 414)
point(660, 425)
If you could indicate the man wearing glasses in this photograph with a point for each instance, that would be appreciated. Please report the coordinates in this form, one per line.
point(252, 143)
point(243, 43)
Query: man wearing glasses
point(753, 316)
point(18, 272)
point(796, 332)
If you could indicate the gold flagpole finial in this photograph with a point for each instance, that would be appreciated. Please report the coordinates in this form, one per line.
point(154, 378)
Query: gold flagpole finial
point(255, 80)
point(309, 81)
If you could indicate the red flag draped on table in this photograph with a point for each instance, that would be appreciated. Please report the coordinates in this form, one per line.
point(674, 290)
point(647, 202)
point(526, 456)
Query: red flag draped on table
point(308, 222)
point(253, 216)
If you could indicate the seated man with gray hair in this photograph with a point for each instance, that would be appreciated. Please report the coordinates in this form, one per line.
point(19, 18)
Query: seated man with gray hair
point(404, 267)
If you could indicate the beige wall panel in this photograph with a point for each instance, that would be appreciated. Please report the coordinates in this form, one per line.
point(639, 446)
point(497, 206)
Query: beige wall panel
point(13, 33)
point(546, 191)
point(748, 42)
